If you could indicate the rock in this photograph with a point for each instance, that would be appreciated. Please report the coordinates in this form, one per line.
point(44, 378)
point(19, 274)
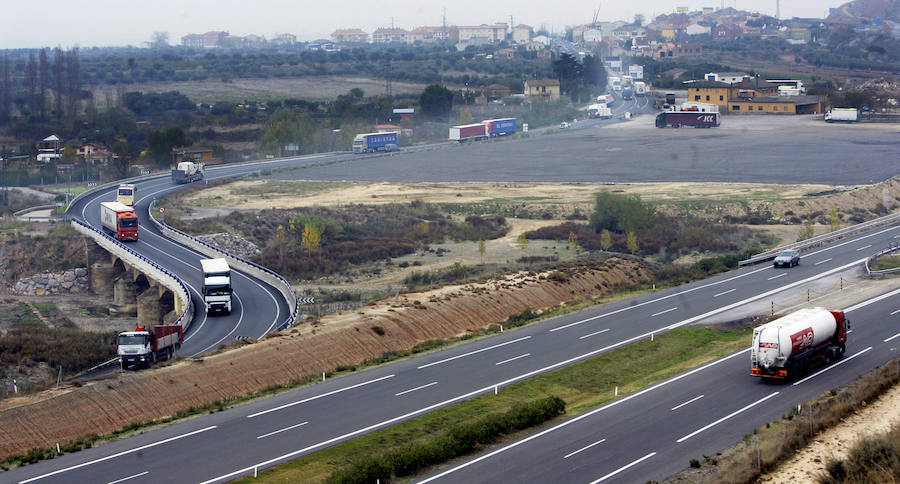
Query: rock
point(69, 276)
point(81, 272)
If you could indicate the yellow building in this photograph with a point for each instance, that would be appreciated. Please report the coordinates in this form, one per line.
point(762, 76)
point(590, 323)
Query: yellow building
point(542, 88)
point(711, 92)
point(776, 105)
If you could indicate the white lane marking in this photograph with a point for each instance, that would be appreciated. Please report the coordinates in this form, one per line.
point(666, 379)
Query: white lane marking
point(594, 333)
point(576, 418)
point(472, 353)
point(514, 358)
point(724, 293)
point(584, 448)
point(897, 236)
point(576, 323)
point(113, 456)
point(776, 277)
point(282, 430)
point(823, 261)
point(852, 241)
point(129, 477)
point(339, 390)
point(834, 365)
point(625, 467)
point(864, 247)
point(892, 337)
point(676, 407)
point(872, 301)
point(895, 312)
point(732, 414)
point(236, 325)
point(664, 312)
point(404, 392)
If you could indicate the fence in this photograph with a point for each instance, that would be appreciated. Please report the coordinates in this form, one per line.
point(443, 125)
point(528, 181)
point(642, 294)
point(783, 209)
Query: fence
point(893, 247)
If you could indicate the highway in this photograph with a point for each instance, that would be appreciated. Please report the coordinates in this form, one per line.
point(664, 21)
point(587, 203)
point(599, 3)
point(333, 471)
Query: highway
point(218, 447)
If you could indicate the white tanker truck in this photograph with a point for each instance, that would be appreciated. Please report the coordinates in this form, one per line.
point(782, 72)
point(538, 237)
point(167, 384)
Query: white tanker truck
point(786, 347)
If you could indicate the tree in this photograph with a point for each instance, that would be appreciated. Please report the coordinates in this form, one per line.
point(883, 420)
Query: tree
point(834, 220)
point(481, 249)
point(807, 231)
point(570, 73)
point(436, 101)
point(287, 127)
point(68, 153)
point(60, 81)
point(605, 240)
point(632, 243)
point(573, 242)
point(160, 39)
point(310, 240)
point(31, 84)
point(621, 213)
point(594, 72)
point(120, 164)
point(73, 85)
point(44, 81)
point(465, 117)
point(522, 241)
point(160, 142)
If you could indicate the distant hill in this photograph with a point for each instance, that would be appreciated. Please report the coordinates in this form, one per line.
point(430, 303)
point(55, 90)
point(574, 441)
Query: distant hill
point(864, 10)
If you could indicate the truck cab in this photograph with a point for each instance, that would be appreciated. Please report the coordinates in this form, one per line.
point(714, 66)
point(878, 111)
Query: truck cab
point(216, 285)
point(134, 348)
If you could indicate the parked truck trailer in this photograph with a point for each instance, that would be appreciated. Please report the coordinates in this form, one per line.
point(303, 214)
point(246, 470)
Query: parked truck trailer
point(677, 119)
point(468, 132)
point(145, 347)
point(372, 142)
point(119, 220)
point(842, 115)
point(786, 347)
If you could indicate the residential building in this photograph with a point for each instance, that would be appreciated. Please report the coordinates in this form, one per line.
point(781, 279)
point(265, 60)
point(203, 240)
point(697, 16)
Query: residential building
point(727, 31)
point(697, 29)
point(49, 149)
point(726, 77)
point(287, 40)
point(428, 35)
point(349, 36)
point(197, 154)
point(522, 33)
point(213, 39)
point(482, 33)
point(404, 114)
point(593, 35)
point(776, 105)
point(711, 92)
point(548, 88)
point(671, 49)
point(193, 41)
point(629, 31)
point(542, 39)
point(94, 154)
point(390, 36)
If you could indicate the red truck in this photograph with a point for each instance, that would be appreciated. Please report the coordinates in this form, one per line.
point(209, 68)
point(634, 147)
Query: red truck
point(119, 220)
point(143, 347)
point(677, 119)
point(469, 132)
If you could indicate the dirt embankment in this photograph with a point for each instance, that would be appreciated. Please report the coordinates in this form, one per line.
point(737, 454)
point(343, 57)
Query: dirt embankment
point(300, 352)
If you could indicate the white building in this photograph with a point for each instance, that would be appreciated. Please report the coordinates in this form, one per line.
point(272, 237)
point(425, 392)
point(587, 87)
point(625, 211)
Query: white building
point(696, 29)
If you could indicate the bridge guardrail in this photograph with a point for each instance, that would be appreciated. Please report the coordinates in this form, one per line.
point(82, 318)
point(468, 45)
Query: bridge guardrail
point(824, 238)
point(244, 265)
point(158, 272)
point(893, 247)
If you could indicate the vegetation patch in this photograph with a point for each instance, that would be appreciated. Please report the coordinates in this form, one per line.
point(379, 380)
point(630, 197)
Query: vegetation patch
point(580, 386)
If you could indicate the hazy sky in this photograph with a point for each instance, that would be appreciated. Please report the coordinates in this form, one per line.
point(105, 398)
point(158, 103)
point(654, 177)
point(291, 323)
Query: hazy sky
point(68, 23)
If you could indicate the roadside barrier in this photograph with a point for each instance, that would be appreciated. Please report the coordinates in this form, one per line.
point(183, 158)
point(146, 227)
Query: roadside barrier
point(893, 247)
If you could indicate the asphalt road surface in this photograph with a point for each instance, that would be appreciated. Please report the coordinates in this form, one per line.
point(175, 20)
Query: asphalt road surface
point(218, 447)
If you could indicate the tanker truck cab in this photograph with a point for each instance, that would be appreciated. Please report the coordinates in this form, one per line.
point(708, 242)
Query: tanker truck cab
point(216, 285)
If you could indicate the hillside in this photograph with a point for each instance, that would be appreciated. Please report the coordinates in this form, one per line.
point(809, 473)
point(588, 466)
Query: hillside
point(864, 10)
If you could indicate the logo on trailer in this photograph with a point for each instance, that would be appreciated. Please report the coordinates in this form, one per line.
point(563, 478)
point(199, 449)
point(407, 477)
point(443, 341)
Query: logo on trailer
point(707, 119)
point(801, 340)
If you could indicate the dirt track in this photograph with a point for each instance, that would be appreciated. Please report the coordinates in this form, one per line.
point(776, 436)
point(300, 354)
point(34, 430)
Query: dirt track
point(296, 354)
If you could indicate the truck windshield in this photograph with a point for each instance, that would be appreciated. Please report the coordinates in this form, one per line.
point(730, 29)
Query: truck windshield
point(128, 222)
point(133, 339)
point(126, 192)
point(217, 290)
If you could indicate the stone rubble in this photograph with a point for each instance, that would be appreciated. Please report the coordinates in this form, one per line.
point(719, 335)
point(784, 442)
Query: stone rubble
point(67, 282)
point(232, 244)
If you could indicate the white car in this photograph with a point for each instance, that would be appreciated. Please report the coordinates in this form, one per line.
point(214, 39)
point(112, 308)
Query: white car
point(563, 125)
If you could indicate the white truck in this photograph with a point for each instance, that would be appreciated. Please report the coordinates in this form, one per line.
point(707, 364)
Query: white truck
point(216, 285)
point(786, 347)
point(599, 111)
point(145, 347)
point(187, 172)
point(842, 115)
point(119, 220)
point(640, 88)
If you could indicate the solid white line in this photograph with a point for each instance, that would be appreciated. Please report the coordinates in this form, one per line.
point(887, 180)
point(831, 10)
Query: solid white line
point(472, 352)
point(129, 477)
point(724, 293)
point(579, 417)
point(594, 333)
point(664, 312)
point(282, 430)
point(823, 261)
point(416, 388)
point(113, 456)
point(625, 467)
point(864, 247)
point(236, 326)
point(512, 359)
point(776, 277)
point(732, 414)
point(319, 396)
point(839, 363)
point(895, 312)
point(584, 448)
point(892, 337)
point(676, 407)
point(897, 236)
point(872, 301)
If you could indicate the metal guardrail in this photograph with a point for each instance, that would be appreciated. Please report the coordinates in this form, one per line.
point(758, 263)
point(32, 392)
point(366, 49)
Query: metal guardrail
point(893, 247)
point(824, 238)
point(286, 290)
point(188, 314)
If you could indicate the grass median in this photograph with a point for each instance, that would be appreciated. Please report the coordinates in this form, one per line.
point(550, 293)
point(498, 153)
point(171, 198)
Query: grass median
point(581, 386)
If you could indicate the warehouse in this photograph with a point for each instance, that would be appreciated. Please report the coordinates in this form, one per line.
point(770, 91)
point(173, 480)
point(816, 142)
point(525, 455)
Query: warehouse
point(776, 105)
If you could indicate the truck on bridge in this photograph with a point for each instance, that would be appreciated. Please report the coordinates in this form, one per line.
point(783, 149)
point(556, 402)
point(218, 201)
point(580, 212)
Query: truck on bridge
point(119, 220)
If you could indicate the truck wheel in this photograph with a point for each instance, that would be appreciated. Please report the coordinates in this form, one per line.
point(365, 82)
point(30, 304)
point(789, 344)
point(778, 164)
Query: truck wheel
point(676, 125)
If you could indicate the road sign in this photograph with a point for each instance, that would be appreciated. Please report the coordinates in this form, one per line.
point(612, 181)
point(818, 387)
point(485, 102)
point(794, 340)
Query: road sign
point(162, 209)
point(145, 172)
point(306, 300)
